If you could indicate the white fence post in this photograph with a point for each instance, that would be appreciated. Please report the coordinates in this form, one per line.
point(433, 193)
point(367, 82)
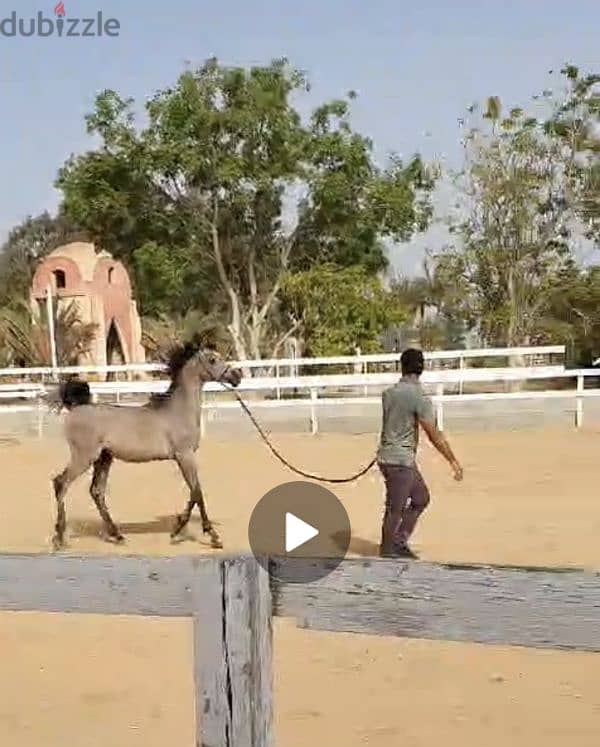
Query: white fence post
point(40, 417)
point(579, 405)
point(439, 407)
point(202, 420)
point(51, 332)
point(314, 423)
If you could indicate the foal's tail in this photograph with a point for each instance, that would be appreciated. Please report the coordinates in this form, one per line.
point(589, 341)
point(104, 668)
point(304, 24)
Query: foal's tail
point(72, 393)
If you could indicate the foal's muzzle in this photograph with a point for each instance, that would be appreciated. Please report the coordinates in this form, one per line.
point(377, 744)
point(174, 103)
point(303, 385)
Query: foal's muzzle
point(233, 376)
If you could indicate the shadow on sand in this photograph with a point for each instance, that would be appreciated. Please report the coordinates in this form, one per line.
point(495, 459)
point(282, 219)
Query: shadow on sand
point(160, 525)
point(358, 546)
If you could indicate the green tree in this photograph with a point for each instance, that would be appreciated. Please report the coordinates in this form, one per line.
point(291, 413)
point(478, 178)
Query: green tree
point(513, 230)
point(575, 315)
point(227, 177)
point(161, 274)
point(339, 309)
point(575, 125)
point(26, 244)
point(352, 205)
point(434, 320)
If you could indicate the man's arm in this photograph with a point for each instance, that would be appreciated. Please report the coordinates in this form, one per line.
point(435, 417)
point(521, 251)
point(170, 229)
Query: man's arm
point(384, 410)
point(438, 439)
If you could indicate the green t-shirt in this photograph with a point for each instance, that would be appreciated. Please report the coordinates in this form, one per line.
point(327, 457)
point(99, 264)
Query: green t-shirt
point(403, 404)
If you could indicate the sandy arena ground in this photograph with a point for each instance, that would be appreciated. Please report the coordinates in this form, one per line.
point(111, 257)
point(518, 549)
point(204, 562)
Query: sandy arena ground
point(528, 497)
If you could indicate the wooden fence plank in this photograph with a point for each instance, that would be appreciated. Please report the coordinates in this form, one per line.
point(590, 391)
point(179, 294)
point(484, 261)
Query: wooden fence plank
point(228, 598)
point(213, 712)
point(233, 640)
point(107, 585)
point(540, 608)
point(263, 660)
point(232, 600)
point(249, 642)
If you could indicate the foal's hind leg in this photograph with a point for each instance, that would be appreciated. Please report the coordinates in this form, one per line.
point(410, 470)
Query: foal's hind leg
point(187, 465)
point(74, 469)
point(98, 492)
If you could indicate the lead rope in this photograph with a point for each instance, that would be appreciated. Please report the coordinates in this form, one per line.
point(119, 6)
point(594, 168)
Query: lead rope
point(283, 460)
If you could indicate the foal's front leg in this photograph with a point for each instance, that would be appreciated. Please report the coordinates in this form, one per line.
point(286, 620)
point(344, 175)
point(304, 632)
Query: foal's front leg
point(76, 467)
point(187, 465)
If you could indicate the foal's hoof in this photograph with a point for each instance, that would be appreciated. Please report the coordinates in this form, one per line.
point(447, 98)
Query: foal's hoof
point(180, 533)
point(215, 541)
point(114, 539)
point(58, 543)
point(177, 527)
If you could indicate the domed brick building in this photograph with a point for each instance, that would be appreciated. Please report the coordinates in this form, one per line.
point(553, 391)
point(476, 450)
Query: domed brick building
point(99, 285)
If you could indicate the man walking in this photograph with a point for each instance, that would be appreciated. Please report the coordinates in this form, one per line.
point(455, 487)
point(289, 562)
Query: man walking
point(405, 407)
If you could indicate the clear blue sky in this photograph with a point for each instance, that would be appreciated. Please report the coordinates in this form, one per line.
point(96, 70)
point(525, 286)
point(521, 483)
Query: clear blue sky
point(416, 66)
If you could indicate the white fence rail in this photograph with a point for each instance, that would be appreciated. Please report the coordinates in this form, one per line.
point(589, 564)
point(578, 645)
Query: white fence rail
point(359, 363)
point(308, 383)
point(337, 390)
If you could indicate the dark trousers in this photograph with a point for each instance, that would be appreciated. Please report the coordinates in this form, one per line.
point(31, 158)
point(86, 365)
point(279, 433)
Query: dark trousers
point(407, 496)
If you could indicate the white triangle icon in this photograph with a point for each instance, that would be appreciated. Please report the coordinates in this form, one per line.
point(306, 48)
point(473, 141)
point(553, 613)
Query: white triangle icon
point(297, 532)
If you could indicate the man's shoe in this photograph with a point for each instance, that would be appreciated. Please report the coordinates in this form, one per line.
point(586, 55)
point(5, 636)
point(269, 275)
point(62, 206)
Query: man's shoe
point(403, 552)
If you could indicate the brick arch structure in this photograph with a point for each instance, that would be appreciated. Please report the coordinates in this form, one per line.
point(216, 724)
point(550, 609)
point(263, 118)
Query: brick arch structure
point(100, 287)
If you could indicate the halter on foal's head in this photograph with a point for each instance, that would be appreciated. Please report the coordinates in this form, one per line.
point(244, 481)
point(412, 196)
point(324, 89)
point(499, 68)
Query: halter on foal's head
point(195, 363)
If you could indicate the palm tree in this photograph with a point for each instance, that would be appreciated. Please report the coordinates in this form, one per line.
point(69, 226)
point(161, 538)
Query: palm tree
point(25, 339)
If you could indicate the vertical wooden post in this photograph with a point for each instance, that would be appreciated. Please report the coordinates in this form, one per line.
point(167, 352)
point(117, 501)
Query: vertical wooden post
point(233, 654)
point(461, 365)
point(579, 405)
point(314, 423)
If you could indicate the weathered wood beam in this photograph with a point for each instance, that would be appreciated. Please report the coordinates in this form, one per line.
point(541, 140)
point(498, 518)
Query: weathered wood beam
point(536, 607)
point(100, 584)
point(540, 608)
point(229, 600)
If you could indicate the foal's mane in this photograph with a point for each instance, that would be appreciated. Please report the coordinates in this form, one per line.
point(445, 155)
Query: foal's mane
point(178, 356)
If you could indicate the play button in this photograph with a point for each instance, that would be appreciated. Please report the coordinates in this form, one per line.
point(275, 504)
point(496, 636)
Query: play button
point(297, 532)
point(300, 520)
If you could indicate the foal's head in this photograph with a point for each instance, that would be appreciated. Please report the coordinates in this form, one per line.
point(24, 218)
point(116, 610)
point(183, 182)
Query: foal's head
point(190, 364)
point(208, 365)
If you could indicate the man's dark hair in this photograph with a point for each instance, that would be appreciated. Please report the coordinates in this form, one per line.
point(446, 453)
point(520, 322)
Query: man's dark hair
point(412, 362)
